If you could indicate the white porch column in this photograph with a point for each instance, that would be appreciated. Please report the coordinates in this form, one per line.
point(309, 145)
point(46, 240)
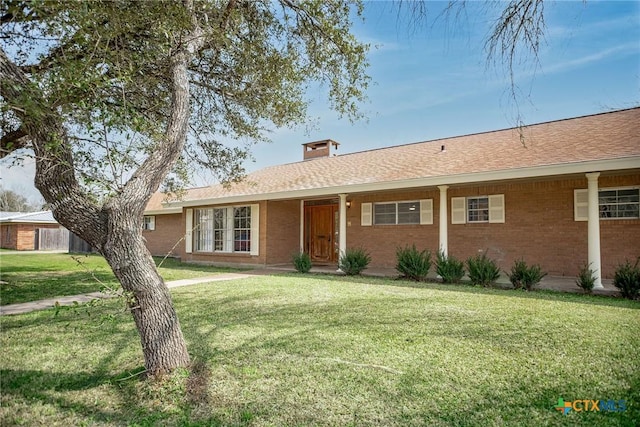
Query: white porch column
point(342, 231)
point(301, 226)
point(444, 219)
point(593, 228)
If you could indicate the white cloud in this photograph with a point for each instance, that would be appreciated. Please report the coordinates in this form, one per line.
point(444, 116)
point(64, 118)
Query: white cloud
point(625, 49)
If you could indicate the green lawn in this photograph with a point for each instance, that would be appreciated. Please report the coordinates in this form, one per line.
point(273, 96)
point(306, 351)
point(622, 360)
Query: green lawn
point(32, 277)
point(313, 350)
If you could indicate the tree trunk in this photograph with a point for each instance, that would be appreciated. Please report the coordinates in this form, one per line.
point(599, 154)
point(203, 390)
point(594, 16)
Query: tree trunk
point(114, 229)
point(163, 344)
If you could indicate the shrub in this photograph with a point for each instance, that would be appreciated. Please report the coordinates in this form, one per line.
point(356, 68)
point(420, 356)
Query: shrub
point(482, 270)
point(354, 261)
point(586, 278)
point(302, 262)
point(412, 263)
point(627, 279)
point(525, 277)
point(449, 268)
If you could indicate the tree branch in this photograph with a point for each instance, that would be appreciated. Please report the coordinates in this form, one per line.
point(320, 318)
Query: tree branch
point(55, 177)
point(12, 141)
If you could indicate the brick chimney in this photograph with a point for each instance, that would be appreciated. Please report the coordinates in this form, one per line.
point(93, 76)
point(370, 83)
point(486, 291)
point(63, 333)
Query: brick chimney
point(314, 150)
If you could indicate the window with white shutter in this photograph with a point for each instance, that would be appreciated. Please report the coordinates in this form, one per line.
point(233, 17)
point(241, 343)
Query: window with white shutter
point(496, 208)
point(365, 214)
point(458, 210)
point(426, 211)
point(580, 205)
point(188, 235)
point(613, 203)
point(478, 209)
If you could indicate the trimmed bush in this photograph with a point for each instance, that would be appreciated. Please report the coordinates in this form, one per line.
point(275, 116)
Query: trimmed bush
point(302, 262)
point(586, 278)
point(354, 261)
point(449, 268)
point(627, 279)
point(524, 277)
point(482, 270)
point(412, 263)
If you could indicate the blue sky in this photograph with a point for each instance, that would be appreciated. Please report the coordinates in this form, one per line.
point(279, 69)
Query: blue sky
point(432, 81)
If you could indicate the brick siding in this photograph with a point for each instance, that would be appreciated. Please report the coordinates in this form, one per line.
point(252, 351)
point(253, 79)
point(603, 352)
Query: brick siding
point(539, 227)
point(167, 238)
point(21, 237)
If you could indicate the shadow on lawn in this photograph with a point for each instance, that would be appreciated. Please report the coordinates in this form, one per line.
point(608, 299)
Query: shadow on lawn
point(291, 336)
point(21, 287)
point(301, 345)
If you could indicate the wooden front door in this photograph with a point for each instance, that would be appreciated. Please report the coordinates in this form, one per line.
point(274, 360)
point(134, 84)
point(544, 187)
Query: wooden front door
point(320, 226)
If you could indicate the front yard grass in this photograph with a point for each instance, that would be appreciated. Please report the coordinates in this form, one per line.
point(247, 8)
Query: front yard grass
point(32, 277)
point(304, 350)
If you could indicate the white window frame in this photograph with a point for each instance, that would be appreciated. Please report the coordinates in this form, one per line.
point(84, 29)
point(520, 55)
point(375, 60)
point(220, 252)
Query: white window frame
point(203, 240)
point(496, 209)
point(581, 204)
point(220, 230)
point(483, 212)
point(149, 223)
point(424, 207)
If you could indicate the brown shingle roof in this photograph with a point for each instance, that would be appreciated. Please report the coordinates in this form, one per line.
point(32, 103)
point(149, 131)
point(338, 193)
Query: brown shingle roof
point(606, 136)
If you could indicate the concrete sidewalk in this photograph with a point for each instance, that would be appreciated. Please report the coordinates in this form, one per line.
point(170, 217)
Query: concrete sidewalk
point(27, 307)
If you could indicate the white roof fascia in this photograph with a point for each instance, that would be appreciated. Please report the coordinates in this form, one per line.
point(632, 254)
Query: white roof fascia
point(26, 221)
point(467, 178)
point(24, 218)
point(167, 211)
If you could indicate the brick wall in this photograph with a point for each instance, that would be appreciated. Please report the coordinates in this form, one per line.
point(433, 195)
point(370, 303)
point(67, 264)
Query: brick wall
point(8, 240)
point(21, 237)
point(381, 241)
point(169, 231)
point(539, 227)
point(283, 230)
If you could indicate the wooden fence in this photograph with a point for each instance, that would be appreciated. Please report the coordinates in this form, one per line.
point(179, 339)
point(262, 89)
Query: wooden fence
point(77, 245)
point(51, 239)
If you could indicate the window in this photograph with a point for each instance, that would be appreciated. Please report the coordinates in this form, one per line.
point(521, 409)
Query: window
point(226, 229)
point(413, 212)
point(203, 230)
point(384, 213)
point(619, 203)
point(478, 209)
point(613, 203)
point(242, 229)
point(149, 223)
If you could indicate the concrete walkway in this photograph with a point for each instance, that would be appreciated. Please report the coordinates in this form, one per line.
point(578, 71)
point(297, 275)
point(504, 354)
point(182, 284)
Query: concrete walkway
point(560, 284)
point(43, 304)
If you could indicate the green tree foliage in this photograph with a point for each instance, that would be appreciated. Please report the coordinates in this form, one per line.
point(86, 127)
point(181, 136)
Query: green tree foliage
point(105, 66)
point(115, 96)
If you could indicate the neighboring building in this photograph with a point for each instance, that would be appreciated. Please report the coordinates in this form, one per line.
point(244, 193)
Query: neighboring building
point(561, 194)
point(24, 231)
